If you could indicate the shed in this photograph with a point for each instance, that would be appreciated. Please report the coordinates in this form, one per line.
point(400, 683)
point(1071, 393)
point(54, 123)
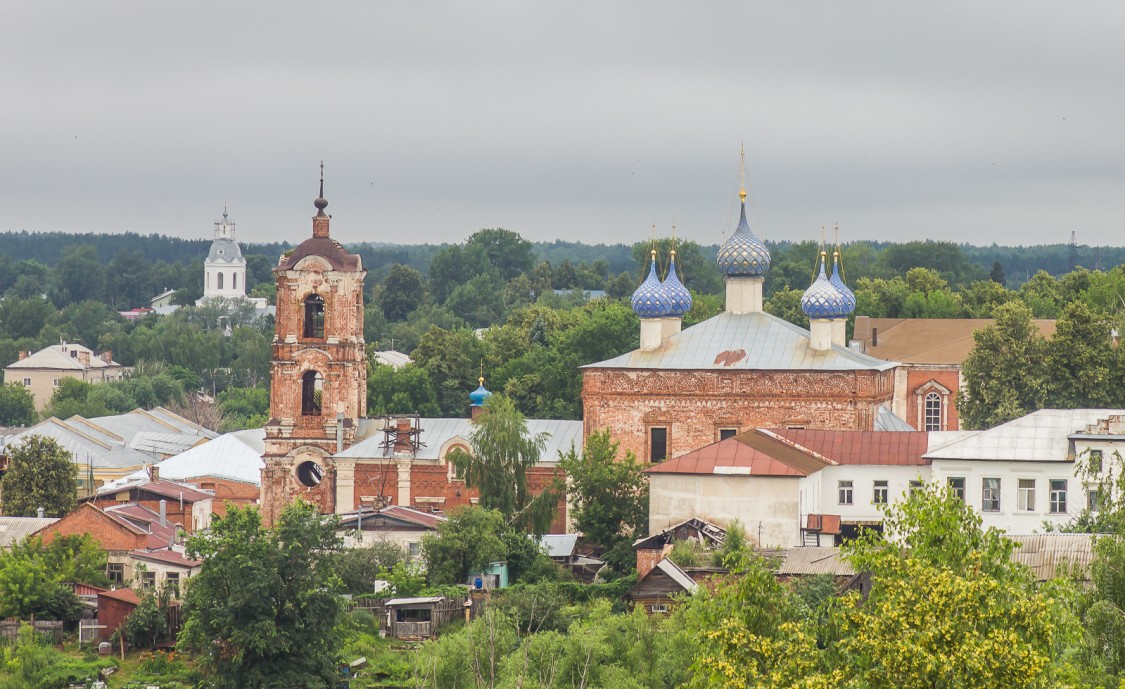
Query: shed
point(656, 589)
point(113, 607)
point(419, 618)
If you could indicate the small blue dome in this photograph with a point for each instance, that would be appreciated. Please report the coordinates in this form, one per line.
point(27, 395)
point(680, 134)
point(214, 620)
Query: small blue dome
point(675, 290)
point(743, 254)
point(822, 299)
point(651, 300)
point(838, 282)
point(478, 396)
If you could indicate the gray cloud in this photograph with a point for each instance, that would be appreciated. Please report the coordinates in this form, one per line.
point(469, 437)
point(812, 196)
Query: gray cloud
point(956, 120)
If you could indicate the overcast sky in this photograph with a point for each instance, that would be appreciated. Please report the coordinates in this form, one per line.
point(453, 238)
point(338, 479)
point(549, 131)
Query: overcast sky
point(966, 121)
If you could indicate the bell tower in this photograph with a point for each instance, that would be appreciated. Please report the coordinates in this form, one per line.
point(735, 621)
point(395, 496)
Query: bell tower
point(318, 373)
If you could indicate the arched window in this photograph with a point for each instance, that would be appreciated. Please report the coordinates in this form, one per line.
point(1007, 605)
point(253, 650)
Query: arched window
point(234, 281)
point(314, 316)
point(933, 412)
point(312, 385)
point(220, 284)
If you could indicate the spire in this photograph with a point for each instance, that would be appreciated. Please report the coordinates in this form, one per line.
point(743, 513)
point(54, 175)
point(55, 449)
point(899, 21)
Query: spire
point(320, 221)
point(743, 254)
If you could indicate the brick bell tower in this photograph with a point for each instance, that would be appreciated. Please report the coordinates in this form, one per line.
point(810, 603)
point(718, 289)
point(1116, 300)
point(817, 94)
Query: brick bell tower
point(318, 373)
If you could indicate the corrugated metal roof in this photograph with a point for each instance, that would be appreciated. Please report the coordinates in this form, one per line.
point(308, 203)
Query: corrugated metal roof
point(734, 456)
point(167, 556)
point(1041, 436)
point(14, 529)
point(926, 340)
point(818, 560)
point(751, 341)
point(863, 447)
point(436, 433)
point(392, 358)
point(887, 420)
point(164, 443)
point(678, 575)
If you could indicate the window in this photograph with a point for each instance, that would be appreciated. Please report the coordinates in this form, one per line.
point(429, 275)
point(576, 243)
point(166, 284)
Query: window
point(990, 495)
point(1095, 461)
point(220, 282)
point(55, 383)
point(310, 474)
point(148, 581)
point(725, 433)
point(115, 571)
point(881, 493)
point(27, 382)
point(314, 316)
point(915, 485)
point(845, 489)
point(172, 581)
point(1057, 496)
point(657, 444)
point(312, 387)
point(1026, 492)
point(957, 485)
point(658, 607)
point(234, 281)
point(414, 549)
point(933, 412)
point(1093, 499)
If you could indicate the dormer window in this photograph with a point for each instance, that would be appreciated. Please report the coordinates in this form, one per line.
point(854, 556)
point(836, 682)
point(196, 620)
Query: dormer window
point(312, 387)
point(314, 316)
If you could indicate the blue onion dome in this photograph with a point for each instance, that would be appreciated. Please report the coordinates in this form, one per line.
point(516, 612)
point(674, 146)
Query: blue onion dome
point(478, 396)
point(650, 300)
point(837, 281)
point(743, 254)
point(675, 290)
point(822, 299)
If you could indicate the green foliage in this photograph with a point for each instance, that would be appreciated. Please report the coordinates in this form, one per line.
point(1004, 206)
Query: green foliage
point(36, 579)
point(405, 579)
point(403, 291)
point(31, 662)
point(501, 453)
point(264, 609)
point(148, 623)
point(610, 497)
point(17, 405)
point(471, 538)
point(40, 474)
point(358, 568)
point(244, 407)
point(405, 390)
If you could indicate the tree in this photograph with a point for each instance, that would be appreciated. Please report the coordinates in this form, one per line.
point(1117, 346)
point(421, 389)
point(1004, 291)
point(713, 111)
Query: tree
point(129, 280)
point(510, 253)
point(610, 498)
point(997, 274)
point(405, 390)
point(17, 405)
point(359, 567)
point(264, 609)
point(451, 359)
point(404, 289)
point(1080, 361)
point(501, 453)
point(1004, 374)
point(471, 538)
point(78, 275)
point(35, 578)
point(40, 474)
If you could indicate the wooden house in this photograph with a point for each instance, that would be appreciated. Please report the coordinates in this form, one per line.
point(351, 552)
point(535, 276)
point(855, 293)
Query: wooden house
point(657, 589)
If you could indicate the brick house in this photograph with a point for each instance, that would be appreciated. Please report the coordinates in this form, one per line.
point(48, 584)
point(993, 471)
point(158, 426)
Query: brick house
point(177, 503)
point(931, 352)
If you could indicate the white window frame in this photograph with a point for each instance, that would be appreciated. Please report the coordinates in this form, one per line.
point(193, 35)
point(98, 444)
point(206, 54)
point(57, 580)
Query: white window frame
point(932, 412)
point(1093, 499)
point(959, 491)
point(1057, 498)
point(848, 486)
point(881, 492)
point(1025, 501)
point(27, 382)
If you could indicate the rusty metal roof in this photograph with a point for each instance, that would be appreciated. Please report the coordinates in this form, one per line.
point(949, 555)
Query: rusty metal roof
point(906, 448)
point(818, 560)
point(926, 340)
point(750, 341)
point(733, 457)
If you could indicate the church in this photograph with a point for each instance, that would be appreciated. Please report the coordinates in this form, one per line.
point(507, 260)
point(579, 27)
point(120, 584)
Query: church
point(683, 389)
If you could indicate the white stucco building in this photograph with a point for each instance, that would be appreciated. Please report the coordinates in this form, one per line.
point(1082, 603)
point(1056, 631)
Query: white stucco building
point(224, 269)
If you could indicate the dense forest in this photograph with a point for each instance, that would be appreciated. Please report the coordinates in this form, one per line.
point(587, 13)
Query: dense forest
point(521, 311)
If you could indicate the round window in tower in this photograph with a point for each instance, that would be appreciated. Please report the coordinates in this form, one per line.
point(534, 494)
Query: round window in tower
point(310, 474)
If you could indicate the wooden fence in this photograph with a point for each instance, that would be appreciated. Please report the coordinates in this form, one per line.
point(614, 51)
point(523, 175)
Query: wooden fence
point(9, 629)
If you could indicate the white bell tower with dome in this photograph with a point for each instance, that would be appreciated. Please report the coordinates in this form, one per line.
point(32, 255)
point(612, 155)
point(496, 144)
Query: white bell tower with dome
point(224, 269)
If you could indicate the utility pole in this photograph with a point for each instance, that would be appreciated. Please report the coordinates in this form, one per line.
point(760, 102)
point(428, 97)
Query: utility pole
point(1072, 251)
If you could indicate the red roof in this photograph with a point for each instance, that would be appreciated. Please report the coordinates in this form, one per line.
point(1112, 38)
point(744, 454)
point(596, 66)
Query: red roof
point(726, 457)
point(897, 448)
point(406, 514)
point(166, 556)
point(159, 535)
point(125, 594)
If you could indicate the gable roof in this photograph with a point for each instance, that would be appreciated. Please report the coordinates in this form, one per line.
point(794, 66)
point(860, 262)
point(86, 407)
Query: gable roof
point(675, 573)
point(926, 340)
point(160, 487)
point(233, 456)
point(750, 341)
point(396, 514)
point(65, 356)
point(735, 457)
point(559, 545)
point(13, 530)
point(1041, 436)
point(166, 556)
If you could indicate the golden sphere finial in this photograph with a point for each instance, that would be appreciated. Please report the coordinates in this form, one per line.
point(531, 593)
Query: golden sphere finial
point(742, 193)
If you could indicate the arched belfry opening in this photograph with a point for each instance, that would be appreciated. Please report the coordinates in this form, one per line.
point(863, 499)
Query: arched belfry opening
point(314, 316)
point(312, 390)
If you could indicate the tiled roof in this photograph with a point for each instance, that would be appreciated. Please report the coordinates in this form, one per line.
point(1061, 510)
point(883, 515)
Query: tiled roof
point(1041, 436)
point(926, 340)
point(750, 341)
point(732, 457)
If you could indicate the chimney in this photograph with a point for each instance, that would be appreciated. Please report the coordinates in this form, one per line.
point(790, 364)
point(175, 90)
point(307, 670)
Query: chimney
point(163, 512)
point(404, 445)
point(41, 513)
point(648, 558)
point(154, 472)
point(84, 358)
point(107, 356)
point(24, 354)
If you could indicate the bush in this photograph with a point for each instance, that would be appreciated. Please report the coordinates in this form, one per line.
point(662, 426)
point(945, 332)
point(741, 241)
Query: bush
point(30, 661)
